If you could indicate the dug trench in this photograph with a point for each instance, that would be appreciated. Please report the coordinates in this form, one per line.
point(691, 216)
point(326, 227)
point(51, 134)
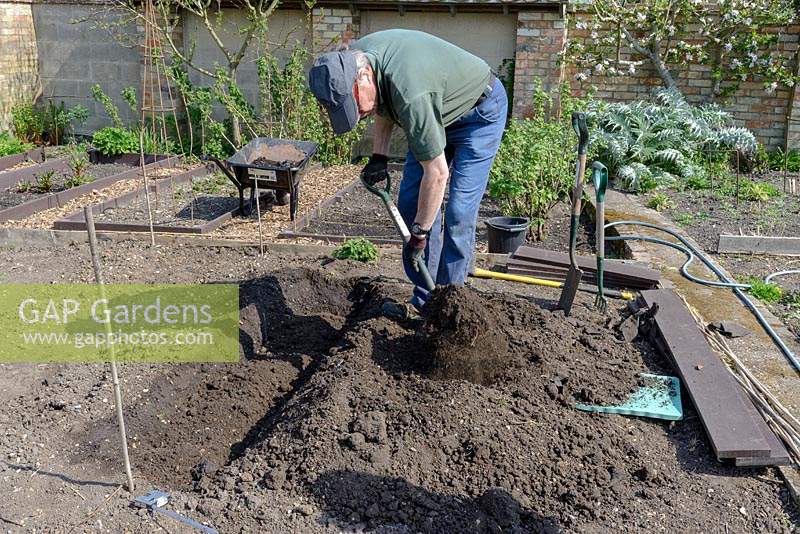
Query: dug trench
point(339, 418)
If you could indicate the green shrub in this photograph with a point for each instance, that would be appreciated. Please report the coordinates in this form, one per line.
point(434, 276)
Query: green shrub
point(289, 110)
point(660, 202)
point(698, 182)
point(28, 123)
point(357, 249)
point(10, 145)
point(112, 141)
point(662, 140)
point(779, 160)
point(535, 164)
point(78, 163)
point(769, 293)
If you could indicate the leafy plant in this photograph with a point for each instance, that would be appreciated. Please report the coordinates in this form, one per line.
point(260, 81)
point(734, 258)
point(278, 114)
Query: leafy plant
point(757, 191)
point(60, 119)
point(660, 202)
point(45, 181)
point(769, 293)
point(111, 109)
point(28, 123)
point(24, 186)
point(779, 160)
point(534, 166)
point(10, 145)
point(112, 141)
point(359, 249)
point(662, 140)
point(78, 162)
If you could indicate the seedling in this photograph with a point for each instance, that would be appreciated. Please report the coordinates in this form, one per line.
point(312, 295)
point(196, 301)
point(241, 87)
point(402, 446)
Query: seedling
point(24, 186)
point(45, 182)
point(357, 249)
point(660, 202)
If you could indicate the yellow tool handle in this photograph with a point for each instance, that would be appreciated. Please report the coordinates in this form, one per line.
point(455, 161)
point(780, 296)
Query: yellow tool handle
point(483, 273)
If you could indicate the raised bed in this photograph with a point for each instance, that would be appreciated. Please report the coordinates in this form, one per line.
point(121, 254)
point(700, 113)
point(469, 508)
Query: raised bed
point(36, 155)
point(127, 203)
point(57, 199)
point(315, 225)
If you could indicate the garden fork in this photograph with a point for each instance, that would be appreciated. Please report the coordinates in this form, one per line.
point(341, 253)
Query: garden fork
point(600, 179)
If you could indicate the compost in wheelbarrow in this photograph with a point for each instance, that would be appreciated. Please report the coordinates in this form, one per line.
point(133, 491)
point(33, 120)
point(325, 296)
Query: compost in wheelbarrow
point(276, 164)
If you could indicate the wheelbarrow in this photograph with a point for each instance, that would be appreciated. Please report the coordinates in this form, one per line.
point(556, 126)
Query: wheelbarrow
point(243, 172)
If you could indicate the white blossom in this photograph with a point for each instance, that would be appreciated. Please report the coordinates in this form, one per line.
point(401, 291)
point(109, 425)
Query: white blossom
point(641, 16)
point(631, 68)
point(594, 35)
point(599, 67)
point(580, 25)
point(748, 21)
point(580, 76)
point(771, 88)
point(735, 63)
point(728, 47)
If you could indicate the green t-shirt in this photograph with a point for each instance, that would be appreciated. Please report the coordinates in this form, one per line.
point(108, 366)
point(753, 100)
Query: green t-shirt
point(424, 84)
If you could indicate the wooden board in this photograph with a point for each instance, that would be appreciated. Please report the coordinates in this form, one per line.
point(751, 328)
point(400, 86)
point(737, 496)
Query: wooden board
point(722, 408)
point(615, 267)
point(588, 277)
point(753, 244)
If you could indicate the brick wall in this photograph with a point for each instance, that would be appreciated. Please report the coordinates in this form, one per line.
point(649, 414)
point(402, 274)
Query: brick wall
point(19, 76)
point(540, 36)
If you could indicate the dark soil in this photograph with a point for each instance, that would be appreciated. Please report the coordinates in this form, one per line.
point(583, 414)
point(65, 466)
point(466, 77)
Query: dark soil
point(331, 421)
point(705, 215)
point(285, 155)
point(188, 204)
point(464, 336)
point(12, 196)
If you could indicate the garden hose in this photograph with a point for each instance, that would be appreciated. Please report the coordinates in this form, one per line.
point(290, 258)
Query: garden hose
point(692, 252)
point(768, 279)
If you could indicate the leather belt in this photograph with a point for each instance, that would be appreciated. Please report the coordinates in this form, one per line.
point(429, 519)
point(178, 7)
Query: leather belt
point(487, 91)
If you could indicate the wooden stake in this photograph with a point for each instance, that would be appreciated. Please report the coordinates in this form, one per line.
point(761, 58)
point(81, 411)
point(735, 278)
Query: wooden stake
point(98, 274)
point(258, 213)
point(146, 188)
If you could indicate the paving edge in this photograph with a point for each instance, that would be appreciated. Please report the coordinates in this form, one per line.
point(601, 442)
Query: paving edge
point(636, 251)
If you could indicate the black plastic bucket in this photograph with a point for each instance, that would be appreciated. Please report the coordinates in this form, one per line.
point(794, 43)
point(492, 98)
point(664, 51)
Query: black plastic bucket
point(506, 234)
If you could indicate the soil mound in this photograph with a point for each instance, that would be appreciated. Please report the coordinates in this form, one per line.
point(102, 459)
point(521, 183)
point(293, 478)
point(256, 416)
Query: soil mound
point(284, 154)
point(462, 335)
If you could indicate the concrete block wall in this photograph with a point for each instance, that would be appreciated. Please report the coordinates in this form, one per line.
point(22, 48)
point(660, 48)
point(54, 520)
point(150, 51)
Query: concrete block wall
point(74, 56)
point(19, 76)
point(333, 27)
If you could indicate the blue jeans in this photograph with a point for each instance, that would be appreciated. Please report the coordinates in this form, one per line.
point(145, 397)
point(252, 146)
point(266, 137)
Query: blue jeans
point(472, 142)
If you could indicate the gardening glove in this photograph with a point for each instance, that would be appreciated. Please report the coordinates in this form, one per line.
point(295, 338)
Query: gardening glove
point(414, 250)
point(376, 170)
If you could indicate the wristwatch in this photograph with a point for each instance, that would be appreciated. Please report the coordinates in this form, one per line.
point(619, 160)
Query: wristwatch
point(417, 230)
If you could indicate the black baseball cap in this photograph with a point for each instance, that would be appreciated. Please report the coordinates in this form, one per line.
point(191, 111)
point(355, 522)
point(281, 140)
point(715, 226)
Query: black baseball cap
point(331, 80)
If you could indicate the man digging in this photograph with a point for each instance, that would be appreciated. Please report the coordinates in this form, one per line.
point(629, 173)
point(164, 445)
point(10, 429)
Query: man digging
point(453, 112)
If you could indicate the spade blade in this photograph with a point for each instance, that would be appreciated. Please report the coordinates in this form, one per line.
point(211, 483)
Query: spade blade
point(570, 289)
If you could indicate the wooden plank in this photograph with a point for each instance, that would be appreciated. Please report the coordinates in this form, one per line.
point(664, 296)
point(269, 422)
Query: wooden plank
point(557, 269)
point(754, 244)
point(35, 155)
point(716, 396)
point(588, 278)
point(549, 257)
